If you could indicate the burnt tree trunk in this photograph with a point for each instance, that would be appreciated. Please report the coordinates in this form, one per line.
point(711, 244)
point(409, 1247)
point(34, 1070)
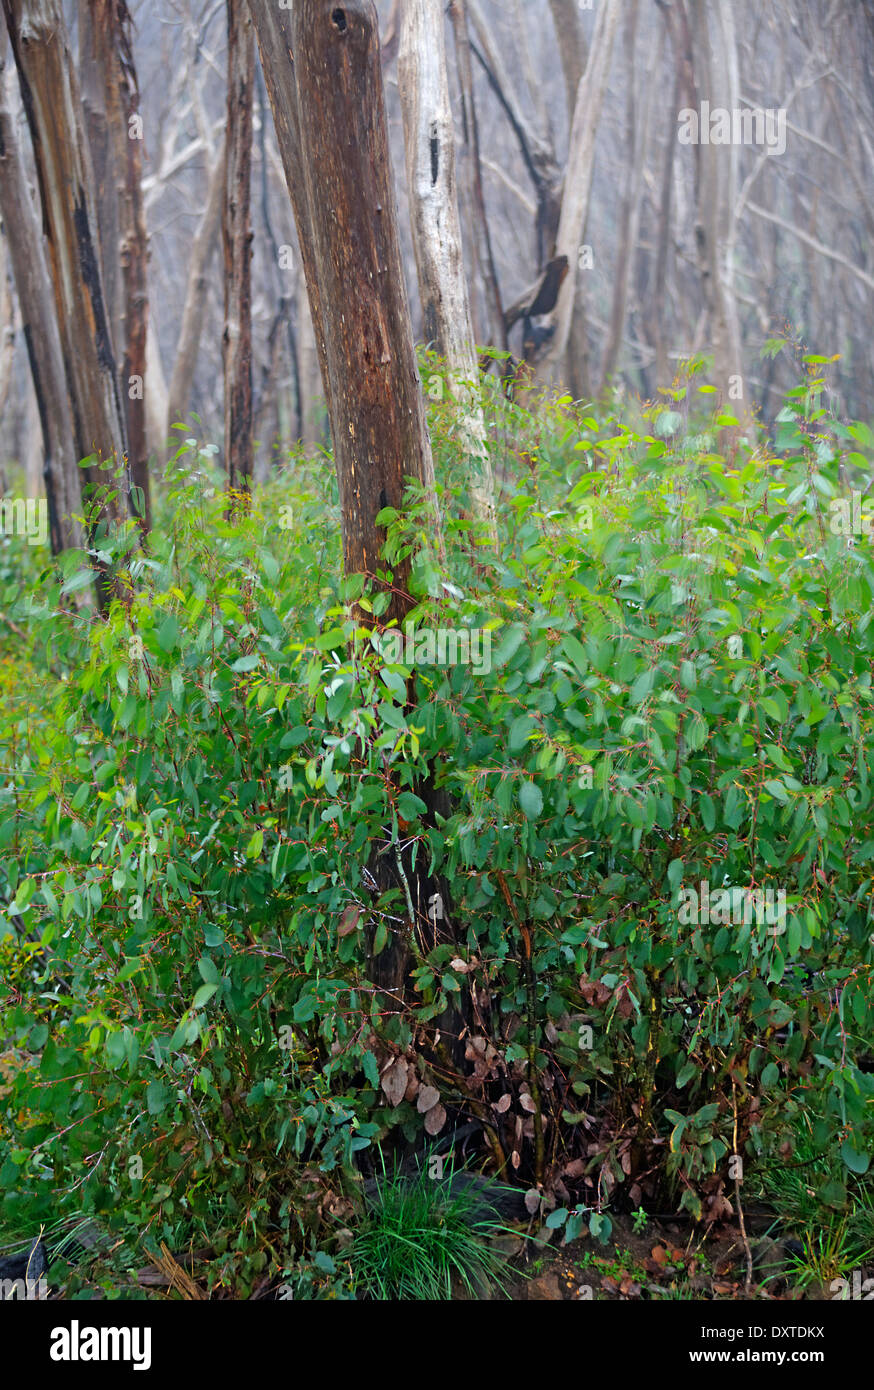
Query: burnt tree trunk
point(54, 112)
point(110, 100)
point(347, 221)
point(237, 243)
point(329, 111)
point(40, 327)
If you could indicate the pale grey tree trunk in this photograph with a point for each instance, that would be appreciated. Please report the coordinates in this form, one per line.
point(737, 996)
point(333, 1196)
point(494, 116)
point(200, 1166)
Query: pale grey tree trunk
point(429, 139)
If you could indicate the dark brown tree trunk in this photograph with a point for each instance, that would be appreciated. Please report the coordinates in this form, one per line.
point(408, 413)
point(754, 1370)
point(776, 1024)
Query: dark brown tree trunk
point(54, 113)
point(347, 221)
point(40, 327)
point(329, 113)
point(237, 242)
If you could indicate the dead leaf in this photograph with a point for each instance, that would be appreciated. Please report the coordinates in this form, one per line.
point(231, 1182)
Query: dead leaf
point(428, 1098)
point(435, 1119)
point(394, 1081)
point(527, 1103)
point(503, 1104)
point(349, 919)
point(532, 1201)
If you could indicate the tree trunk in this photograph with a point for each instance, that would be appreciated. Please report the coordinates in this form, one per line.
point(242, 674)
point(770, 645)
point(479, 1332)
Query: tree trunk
point(194, 309)
point(484, 261)
point(237, 242)
point(348, 220)
point(578, 177)
point(40, 327)
point(572, 51)
point(430, 149)
point(273, 31)
point(347, 227)
point(54, 112)
point(110, 100)
point(639, 116)
point(716, 74)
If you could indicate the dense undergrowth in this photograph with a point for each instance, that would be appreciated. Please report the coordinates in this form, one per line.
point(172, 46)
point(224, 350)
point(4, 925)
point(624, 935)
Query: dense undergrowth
point(204, 797)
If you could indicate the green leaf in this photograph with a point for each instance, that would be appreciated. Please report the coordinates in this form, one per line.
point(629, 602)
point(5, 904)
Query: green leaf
point(410, 807)
point(530, 800)
point(157, 1097)
point(519, 731)
point(856, 1161)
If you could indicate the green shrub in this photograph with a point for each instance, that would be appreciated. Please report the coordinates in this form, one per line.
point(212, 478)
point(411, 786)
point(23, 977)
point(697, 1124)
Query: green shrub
point(197, 791)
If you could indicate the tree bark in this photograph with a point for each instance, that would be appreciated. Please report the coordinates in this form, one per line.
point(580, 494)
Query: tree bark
point(273, 32)
point(578, 177)
point(347, 220)
point(716, 73)
point(110, 100)
point(429, 138)
point(237, 242)
point(639, 115)
point(572, 51)
point(54, 112)
point(484, 260)
point(194, 309)
point(40, 328)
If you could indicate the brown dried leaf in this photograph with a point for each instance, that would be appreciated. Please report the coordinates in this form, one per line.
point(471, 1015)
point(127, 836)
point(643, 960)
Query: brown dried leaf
point(435, 1119)
point(504, 1103)
point(532, 1201)
point(428, 1098)
point(527, 1103)
point(394, 1081)
point(349, 919)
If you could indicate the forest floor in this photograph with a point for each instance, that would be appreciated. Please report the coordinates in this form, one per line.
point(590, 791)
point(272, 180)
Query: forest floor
point(666, 1260)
